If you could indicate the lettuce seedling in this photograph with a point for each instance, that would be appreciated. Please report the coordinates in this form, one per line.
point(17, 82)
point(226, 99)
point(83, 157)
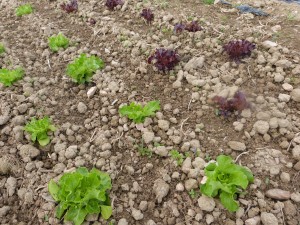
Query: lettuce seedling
point(178, 157)
point(8, 77)
point(58, 41)
point(193, 27)
point(38, 130)
point(2, 48)
point(24, 10)
point(70, 7)
point(226, 180)
point(81, 193)
point(83, 68)
point(111, 4)
point(137, 112)
point(164, 59)
point(238, 50)
point(228, 106)
point(148, 15)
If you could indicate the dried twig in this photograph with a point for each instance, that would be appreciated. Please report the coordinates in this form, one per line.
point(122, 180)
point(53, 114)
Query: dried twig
point(296, 135)
point(93, 134)
point(181, 126)
point(237, 158)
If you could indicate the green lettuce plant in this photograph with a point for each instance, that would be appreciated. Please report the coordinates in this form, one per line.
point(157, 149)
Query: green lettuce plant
point(226, 180)
point(58, 41)
point(24, 10)
point(38, 130)
point(178, 157)
point(81, 193)
point(8, 77)
point(137, 112)
point(83, 68)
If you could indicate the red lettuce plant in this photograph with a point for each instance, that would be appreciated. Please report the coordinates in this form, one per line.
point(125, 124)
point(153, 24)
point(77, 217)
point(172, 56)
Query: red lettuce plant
point(70, 7)
point(193, 26)
point(228, 106)
point(164, 59)
point(111, 4)
point(179, 27)
point(238, 50)
point(148, 15)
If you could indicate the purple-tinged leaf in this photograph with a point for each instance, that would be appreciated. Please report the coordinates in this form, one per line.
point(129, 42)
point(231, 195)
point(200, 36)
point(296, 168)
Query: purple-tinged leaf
point(179, 27)
point(111, 4)
point(70, 7)
point(193, 27)
point(148, 15)
point(164, 59)
point(238, 50)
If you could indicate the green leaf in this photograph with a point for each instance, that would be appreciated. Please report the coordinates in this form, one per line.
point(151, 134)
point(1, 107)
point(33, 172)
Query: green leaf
point(238, 178)
point(57, 42)
point(137, 113)
point(8, 77)
point(53, 189)
point(77, 215)
point(228, 201)
point(38, 130)
point(83, 68)
point(106, 211)
point(225, 179)
point(24, 10)
point(2, 48)
point(81, 193)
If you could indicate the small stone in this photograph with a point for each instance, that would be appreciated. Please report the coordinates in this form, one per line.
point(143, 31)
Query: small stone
point(295, 94)
point(253, 221)
point(285, 177)
point(29, 151)
point(71, 152)
point(295, 197)
point(296, 152)
point(91, 91)
point(194, 63)
point(82, 108)
point(261, 127)
point(278, 78)
point(179, 187)
point(137, 214)
point(206, 203)
point(198, 163)
point(269, 44)
point(186, 165)
point(190, 184)
point(161, 189)
point(283, 63)
point(297, 166)
point(161, 150)
point(123, 221)
point(143, 205)
point(278, 194)
point(289, 209)
point(287, 87)
point(296, 70)
point(163, 124)
point(268, 219)
point(209, 219)
point(237, 146)
point(284, 97)
point(4, 210)
point(4, 119)
point(273, 123)
point(148, 137)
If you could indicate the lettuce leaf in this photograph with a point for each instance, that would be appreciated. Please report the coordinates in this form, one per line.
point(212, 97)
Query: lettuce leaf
point(81, 193)
point(137, 113)
point(8, 77)
point(38, 130)
point(224, 178)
